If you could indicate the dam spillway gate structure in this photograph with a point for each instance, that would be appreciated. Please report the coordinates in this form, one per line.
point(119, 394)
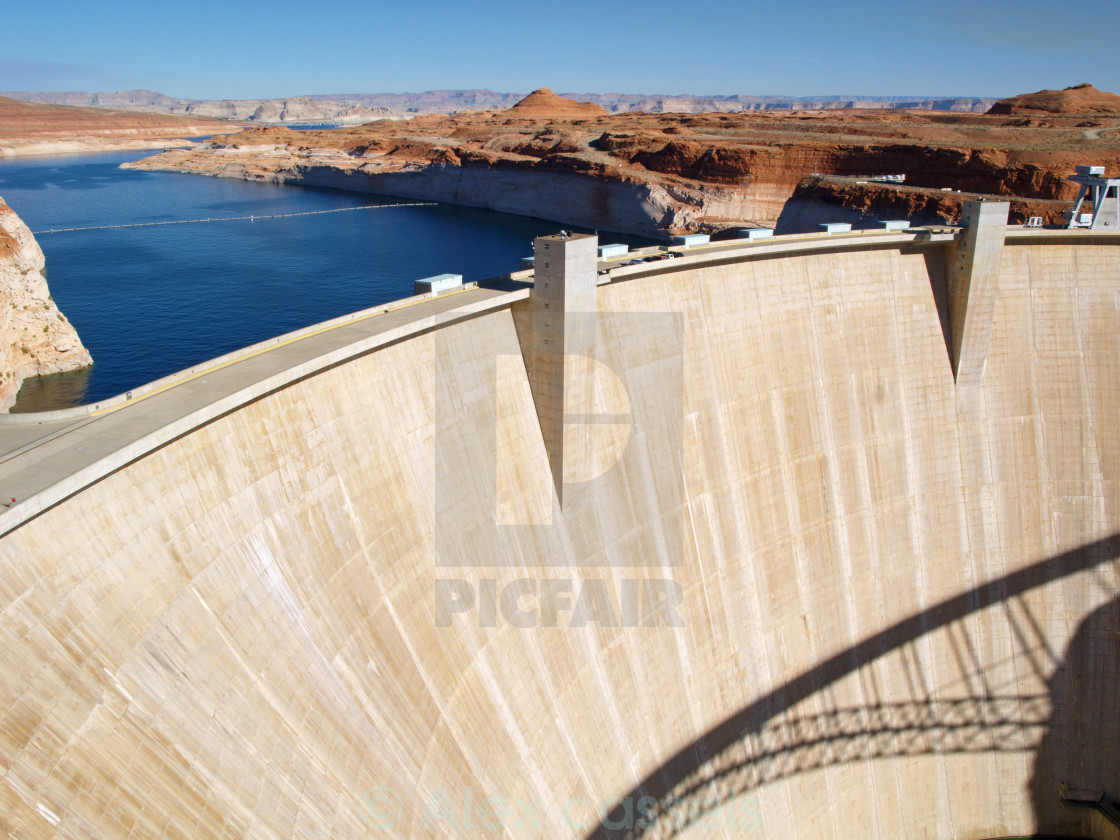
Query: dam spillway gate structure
point(1104, 198)
point(805, 545)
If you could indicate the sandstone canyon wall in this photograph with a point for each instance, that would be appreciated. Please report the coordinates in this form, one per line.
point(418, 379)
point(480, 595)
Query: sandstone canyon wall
point(863, 204)
point(663, 174)
point(35, 338)
point(299, 109)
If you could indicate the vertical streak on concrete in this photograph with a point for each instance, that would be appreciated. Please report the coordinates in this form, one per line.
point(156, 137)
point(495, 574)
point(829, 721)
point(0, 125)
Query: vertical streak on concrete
point(973, 282)
point(563, 289)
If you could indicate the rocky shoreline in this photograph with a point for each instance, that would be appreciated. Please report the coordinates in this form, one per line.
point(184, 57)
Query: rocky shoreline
point(35, 338)
point(658, 175)
point(68, 145)
point(588, 199)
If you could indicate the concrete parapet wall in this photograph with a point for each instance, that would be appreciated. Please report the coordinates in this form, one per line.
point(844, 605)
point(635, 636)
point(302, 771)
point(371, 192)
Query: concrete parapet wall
point(94, 409)
point(890, 587)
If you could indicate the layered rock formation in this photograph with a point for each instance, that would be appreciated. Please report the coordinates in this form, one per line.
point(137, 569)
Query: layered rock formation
point(35, 338)
point(864, 204)
point(455, 101)
point(138, 100)
point(300, 109)
point(658, 174)
point(29, 128)
point(295, 109)
point(1079, 99)
point(543, 103)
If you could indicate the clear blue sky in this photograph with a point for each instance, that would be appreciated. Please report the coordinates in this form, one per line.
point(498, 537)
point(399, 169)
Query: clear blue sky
point(216, 50)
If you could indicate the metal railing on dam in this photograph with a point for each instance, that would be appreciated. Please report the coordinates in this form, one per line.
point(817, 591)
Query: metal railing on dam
point(759, 562)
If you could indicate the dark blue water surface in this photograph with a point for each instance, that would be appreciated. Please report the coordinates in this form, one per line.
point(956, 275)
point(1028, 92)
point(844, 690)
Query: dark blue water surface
point(150, 301)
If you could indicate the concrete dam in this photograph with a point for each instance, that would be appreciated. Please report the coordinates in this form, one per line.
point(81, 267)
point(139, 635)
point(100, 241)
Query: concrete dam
point(808, 537)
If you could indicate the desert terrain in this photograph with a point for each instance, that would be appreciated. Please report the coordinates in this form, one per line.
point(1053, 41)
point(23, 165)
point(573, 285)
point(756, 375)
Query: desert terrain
point(660, 174)
point(29, 128)
point(349, 108)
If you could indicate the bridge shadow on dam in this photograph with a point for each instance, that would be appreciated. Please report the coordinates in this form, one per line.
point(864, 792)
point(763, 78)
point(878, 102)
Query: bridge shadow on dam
point(1071, 724)
point(1085, 697)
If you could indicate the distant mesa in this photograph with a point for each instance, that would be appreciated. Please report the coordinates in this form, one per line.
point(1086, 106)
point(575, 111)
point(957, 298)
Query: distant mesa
point(405, 105)
point(657, 174)
point(18, 117)
point(1079, 99)
point(543, 103)
point(37, 128)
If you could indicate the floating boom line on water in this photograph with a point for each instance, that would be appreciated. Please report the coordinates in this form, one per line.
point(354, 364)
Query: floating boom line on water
point(236, 218)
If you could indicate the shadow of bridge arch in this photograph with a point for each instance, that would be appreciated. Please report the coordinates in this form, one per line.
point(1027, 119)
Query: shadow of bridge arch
point(772, 738)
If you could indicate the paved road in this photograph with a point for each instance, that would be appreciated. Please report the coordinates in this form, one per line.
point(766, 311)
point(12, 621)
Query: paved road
point(42, 463)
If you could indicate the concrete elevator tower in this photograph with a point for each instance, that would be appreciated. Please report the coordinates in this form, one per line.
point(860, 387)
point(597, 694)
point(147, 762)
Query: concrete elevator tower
point(608, 391)
point(563, 317)
point(973, 281)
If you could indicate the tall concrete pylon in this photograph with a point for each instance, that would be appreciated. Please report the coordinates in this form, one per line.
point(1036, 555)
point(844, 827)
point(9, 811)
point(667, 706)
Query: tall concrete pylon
point(973, 282)
point(564, 286)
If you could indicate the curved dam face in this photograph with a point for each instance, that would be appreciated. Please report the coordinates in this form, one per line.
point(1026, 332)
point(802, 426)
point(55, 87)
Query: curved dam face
point(771, 558)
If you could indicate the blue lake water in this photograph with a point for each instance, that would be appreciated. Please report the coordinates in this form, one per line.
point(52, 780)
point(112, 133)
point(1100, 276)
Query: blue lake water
point(150, 301)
